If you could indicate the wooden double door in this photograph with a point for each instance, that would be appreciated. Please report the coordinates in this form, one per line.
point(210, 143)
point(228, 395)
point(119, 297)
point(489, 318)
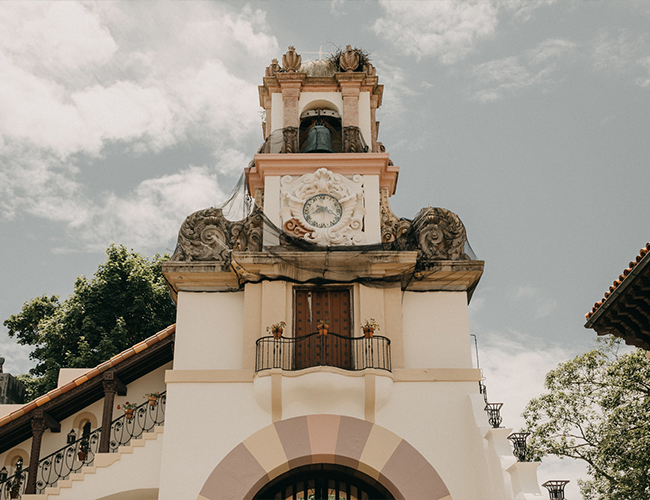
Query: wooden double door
point(334, 349)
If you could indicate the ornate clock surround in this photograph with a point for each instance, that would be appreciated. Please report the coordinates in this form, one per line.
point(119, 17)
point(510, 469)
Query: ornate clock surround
point(296, 192)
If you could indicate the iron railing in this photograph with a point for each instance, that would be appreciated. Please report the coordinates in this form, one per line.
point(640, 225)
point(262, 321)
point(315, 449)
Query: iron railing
point(144, 419)
point(14, 485)
point(72, 457)
point(331, 349)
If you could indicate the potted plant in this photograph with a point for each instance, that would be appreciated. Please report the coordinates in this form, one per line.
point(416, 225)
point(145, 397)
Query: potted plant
point(128, 408)
point(82, 454)
point(323, 326)
point(152, 397)
point(369, 326)
point(276, 329)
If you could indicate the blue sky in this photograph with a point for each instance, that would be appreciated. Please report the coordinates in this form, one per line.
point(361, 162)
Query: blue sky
point(528, 119)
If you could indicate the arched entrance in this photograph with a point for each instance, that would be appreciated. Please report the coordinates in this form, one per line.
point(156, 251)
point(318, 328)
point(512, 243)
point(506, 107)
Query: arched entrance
point(324, 439)
point(323, 482)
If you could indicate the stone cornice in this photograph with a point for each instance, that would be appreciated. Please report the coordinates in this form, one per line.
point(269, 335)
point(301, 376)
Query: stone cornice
point(339, 163)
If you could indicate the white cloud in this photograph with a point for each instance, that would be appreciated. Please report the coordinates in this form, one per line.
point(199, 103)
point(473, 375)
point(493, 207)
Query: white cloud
point(53, 36)
point(494, 79)
point(78, 77)
point(446, 29)
point(623, 54)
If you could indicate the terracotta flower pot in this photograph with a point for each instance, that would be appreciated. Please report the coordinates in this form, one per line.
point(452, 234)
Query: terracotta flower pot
point(128, 413)
point(152, 400)
point(322, 329)
point(368, 331)
point(82, 455)
point(277, 333)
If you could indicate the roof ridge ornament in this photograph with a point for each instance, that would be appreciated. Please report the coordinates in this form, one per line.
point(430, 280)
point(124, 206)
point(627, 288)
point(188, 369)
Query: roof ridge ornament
point(349, 60)
point(291, 60)
point(272, 68)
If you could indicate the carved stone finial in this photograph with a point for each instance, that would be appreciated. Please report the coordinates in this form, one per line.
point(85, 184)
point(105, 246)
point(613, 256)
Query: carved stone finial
point(370, 70)
point(273, 68)
point(439, 235)
point(349, 60)
point(291, 61)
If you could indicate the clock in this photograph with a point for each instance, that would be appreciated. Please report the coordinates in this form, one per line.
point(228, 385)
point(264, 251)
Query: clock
point(322, 211)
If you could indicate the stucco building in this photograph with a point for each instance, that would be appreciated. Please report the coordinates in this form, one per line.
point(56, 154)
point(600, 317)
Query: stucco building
point(322, 408)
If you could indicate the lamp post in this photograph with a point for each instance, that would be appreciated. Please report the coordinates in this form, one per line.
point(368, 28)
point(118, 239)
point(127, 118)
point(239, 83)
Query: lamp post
point(494, 414)
point(72, 436)
point(519, 441)
point(555, 488)
point(3, 475)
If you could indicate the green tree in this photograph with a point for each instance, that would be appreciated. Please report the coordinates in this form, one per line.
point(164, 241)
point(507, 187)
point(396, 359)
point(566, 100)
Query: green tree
point(126, 301)
point(597, 409)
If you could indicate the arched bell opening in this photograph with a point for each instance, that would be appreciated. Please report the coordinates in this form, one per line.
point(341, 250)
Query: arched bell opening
point(323, 482)
point(320, 131)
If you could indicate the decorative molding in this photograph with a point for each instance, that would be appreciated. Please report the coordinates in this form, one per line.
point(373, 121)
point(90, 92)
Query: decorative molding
point(394, 231)
point(289, 140)
point(353, 140)
point(439, 235)
point(259, 198)
point(291, 60)
point(295, 191)
point(207, 235)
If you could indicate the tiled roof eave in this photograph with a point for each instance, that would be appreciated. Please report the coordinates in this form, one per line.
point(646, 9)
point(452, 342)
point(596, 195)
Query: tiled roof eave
point(89, 375)
point(619, 286)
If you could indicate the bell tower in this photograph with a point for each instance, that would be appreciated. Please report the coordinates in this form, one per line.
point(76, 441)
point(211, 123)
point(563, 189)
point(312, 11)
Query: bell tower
point(321, 174)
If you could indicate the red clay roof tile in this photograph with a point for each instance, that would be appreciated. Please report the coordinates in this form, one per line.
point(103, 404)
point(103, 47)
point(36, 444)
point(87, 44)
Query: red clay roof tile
point(620, 280)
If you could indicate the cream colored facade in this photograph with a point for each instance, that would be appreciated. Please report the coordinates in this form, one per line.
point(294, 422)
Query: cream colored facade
point(416, 427)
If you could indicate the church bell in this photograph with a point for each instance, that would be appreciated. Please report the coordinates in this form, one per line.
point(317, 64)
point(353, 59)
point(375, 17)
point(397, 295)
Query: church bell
point(319, 140)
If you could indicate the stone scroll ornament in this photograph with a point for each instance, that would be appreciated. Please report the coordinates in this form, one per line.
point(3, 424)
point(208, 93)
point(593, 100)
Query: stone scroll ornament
point(439, 235)
point(207, 235)
point(290, 60)
point(394, 231)
point(301, 194)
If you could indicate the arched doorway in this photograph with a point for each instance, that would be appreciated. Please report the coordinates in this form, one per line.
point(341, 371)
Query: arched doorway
point(323, 482)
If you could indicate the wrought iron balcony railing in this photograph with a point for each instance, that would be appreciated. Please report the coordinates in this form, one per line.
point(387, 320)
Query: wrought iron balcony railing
point(72, 457)
point(331, 349)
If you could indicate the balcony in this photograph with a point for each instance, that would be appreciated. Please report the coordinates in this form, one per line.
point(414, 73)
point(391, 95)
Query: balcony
point(315, 349)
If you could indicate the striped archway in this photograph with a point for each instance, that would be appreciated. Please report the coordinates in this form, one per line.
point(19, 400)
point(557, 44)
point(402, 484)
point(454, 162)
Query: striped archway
point(329, 439)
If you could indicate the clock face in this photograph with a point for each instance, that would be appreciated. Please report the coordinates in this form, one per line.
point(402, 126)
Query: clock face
point(322, 211)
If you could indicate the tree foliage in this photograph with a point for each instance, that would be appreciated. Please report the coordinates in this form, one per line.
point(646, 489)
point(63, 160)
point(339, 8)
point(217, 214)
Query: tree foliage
point(597, 409)
point(126, 301)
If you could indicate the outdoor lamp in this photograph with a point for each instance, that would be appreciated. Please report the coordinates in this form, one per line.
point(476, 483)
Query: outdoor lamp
point(3, 475)
point(72, 436)
point(519, 441)
point(555, 489)
point(494, 414)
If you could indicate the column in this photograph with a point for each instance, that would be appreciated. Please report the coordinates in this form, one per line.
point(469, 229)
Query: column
point(40, 422)
point(112, 384)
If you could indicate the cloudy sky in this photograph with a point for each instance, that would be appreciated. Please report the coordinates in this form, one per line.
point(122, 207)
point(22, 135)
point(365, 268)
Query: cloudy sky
point(528, 119)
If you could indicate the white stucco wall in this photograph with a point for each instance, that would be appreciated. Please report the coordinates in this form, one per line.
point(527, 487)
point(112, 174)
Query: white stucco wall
point(204, 422)
point(437, 419)
point(436, 330)
point(209, 328)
